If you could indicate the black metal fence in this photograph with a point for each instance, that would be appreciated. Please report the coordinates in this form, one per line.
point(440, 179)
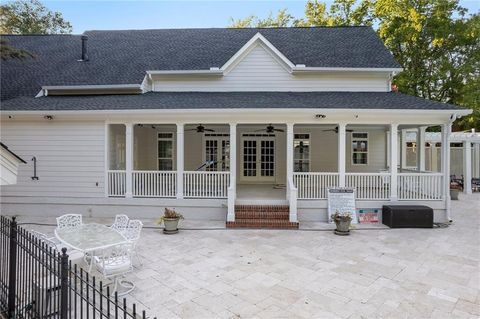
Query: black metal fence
point(37, 281)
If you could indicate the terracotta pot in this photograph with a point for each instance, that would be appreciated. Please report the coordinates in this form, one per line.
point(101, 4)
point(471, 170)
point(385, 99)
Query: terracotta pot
point(171, 225)
point(454, 194)
point(343, 225)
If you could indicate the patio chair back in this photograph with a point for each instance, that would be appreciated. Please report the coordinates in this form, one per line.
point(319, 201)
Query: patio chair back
point(120, 223)
point(69, 221)
point(114, 260)
point(133, 230)
point(49, 242)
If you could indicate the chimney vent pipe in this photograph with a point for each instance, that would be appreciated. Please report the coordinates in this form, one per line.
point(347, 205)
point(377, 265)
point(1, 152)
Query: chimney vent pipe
point(84, 48)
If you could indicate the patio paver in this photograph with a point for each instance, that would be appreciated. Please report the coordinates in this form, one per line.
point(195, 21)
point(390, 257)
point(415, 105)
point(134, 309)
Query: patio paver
point(394, 273)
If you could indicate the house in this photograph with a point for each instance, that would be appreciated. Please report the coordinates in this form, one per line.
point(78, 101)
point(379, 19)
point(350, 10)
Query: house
point(9, 162)
point(217, 123)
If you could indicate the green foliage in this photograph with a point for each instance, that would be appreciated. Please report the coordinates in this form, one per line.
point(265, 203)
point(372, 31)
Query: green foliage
point(436, 42)
point(169, 214)
point(31, 17)
point(282, 19)
point(8, 52)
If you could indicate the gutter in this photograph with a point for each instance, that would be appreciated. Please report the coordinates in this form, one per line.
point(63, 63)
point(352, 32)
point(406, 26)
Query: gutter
point(299, 68)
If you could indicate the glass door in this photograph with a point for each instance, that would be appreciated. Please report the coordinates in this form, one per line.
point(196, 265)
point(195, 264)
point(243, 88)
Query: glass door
point(258, 159)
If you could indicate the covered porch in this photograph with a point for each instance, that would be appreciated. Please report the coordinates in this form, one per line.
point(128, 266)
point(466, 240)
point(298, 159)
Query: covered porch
point(261, 163)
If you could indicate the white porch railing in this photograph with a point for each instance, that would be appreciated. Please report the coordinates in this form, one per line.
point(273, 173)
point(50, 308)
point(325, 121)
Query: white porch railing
point(154, 183)
point(420, 186)
point(116, 183)
point(314, 185)
point(369, 186)
point(200, 184)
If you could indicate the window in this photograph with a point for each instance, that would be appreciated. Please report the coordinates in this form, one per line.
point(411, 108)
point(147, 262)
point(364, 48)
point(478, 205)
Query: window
point(217, 152)
point(165, 151)
point(359, 148)
point(301, 153)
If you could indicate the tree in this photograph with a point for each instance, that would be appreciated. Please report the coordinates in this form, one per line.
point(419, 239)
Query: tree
point(8, 52)
point(31, 17)
point(438, 47)
point(341, 12)
point(28, 17)
point(282, 19)
point(435, 41)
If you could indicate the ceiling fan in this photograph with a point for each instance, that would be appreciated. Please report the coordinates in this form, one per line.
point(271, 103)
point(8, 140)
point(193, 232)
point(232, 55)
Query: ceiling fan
point(201, 129)
point(335, 130)
point(270, 129)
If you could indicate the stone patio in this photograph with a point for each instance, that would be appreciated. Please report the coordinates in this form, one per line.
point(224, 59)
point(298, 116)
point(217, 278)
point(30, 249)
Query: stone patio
point(375, 272)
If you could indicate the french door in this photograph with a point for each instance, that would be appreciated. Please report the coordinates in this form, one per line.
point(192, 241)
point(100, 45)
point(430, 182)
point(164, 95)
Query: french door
point(217, 152)
point(258, 159)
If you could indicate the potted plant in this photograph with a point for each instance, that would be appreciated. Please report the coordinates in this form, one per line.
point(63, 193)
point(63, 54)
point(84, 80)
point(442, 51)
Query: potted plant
point(342, 221)
point(170, 220)
point(455, 189)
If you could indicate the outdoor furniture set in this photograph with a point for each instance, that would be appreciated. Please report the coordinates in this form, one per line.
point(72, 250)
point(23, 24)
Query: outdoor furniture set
point(109, 249)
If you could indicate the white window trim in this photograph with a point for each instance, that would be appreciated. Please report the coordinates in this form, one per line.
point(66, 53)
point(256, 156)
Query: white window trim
point(174, 147)
point(309, 151)
point(352, 151)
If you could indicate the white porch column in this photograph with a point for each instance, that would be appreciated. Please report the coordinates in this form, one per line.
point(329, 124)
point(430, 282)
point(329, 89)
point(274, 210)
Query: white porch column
point(446, 130)
point(403, 149)
point(289, 152)
point(476, 160)
point(180, 159)
point(342, 136)
point(232, 189)
point(393, 161)
point(291, 190)
point(467, 167)
point(128, 159)
point(421, 148)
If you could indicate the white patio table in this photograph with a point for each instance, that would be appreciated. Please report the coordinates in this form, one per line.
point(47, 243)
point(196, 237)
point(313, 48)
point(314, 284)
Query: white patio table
point(89, 238)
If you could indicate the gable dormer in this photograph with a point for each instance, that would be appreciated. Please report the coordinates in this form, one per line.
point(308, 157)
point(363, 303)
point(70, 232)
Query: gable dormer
point(260, 66)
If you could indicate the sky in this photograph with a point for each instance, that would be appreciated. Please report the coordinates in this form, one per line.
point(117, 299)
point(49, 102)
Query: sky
point(114, 15)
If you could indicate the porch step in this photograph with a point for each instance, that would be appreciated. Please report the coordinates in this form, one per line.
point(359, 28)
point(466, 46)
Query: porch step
point(262, 216)
point(262, 223)
point(262, 208)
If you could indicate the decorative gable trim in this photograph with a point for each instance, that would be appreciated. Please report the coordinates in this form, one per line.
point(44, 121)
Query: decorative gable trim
point(255, 40)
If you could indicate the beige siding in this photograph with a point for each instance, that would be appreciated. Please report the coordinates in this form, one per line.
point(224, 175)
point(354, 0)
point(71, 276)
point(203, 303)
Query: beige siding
point(377, 152)
point(70, 158)
point(260, 71)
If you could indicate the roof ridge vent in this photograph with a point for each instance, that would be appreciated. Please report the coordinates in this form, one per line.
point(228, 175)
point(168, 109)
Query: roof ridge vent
point(84, 49)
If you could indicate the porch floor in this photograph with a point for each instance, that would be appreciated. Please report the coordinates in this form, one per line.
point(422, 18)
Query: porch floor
point(261, 192)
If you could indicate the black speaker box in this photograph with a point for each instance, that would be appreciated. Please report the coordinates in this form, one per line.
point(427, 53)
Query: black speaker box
point(412, 216)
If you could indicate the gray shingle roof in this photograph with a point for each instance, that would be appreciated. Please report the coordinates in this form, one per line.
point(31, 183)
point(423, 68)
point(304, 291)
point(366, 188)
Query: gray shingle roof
point(227, 100)
point(122, 57)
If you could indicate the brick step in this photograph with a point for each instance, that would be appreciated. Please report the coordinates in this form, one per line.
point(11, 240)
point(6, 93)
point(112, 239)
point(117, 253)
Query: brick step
point(261, 208)
point(261, 215)
point(262, 223)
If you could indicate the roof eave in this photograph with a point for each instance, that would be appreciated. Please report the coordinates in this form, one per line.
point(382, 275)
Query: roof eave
point(306, 69)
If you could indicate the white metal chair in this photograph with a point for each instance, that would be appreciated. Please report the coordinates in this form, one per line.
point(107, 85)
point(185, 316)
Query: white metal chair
point(120, 223)
point(115, 262)
point(73, 255)
point(69, 221)
point(132, 234)
point(43, 236)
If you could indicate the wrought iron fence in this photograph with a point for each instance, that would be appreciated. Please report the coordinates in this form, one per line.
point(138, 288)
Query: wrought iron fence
point(37, 281)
